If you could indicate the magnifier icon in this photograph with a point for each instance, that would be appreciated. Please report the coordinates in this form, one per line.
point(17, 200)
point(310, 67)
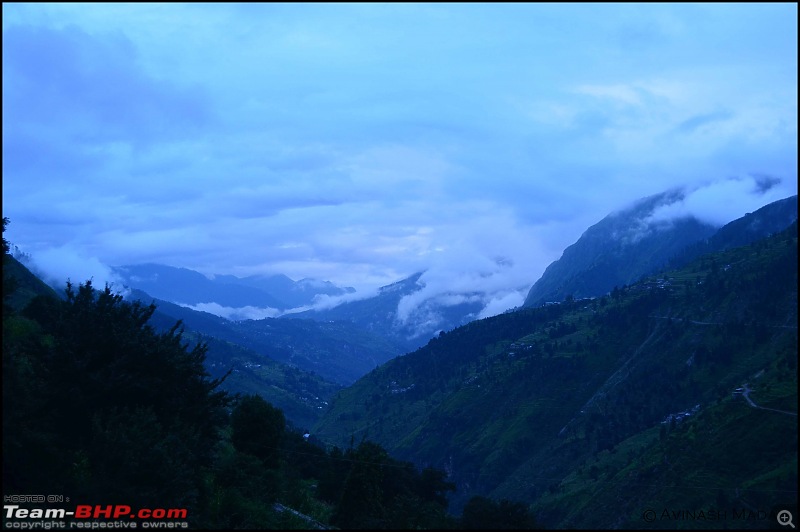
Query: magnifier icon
point(785, 518)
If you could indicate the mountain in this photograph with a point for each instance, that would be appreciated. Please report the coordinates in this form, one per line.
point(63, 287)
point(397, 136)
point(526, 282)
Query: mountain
point(617, 251)
point(188, 287)
point(380, 315)
point(629, 244)
point(676, 392)
point(292, 294)
point(300, 394)
point(251, 295)
point(337, 351)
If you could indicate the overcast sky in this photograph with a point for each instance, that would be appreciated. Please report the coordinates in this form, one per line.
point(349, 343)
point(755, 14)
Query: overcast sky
point(362, 143)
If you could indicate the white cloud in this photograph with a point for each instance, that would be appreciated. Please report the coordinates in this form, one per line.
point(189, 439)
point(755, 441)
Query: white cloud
point(58, 265)
point(720, 202)
point(503, 302)
point(234, 313)
point(624, 94)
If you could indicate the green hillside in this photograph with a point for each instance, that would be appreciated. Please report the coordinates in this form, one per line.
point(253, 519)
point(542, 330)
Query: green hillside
point(562, 406)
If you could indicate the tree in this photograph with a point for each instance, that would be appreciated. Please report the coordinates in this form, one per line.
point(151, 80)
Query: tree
point(257, 429)
point(111, 410)
point(361, 504)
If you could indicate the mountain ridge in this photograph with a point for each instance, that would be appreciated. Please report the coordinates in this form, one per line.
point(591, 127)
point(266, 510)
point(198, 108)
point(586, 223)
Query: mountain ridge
point(522, 405)
point(630, 243)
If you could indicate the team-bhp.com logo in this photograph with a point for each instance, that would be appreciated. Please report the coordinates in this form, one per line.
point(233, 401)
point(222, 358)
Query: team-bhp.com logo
point(86, 511)
point(93, 516)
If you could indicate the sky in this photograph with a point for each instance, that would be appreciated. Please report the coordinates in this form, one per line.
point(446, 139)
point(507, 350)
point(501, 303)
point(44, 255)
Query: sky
point(362, 143)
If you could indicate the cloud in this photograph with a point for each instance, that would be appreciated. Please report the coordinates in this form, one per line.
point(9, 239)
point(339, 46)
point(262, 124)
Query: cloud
point(503, 302)
point(325, 301)
point(622, 94)
point(692, 124)
point(363, 143)
point(722, 201)
point(234, 313)
point(56, 266)
point(94, 87)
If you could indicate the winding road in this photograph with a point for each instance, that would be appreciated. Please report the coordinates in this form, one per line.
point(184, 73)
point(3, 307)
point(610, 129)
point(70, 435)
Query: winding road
point(746, 394)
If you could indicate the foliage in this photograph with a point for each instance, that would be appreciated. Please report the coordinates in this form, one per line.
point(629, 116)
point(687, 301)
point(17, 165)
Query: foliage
point(481, 513)
point(101, 406)
point(561, 412)
point(257, 429)
point(98, 405)
point(516, 405)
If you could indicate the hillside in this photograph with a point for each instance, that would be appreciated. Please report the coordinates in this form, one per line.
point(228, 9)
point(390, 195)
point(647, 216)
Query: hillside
point(300, 394)
point(618, 250)
point(769, 219)
point(633, 242)
point(337, 351)
point(562, 406)
point(26, 284)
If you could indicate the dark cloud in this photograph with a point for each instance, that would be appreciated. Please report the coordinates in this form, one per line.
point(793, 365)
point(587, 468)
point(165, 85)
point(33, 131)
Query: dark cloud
point(763, 183)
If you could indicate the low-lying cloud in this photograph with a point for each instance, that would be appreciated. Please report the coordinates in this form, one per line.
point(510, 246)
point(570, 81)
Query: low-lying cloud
point(56, 266)
point(234, 313)
point(720, 202)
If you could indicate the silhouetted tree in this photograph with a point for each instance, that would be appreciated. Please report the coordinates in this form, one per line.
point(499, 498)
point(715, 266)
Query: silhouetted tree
point(257, 429)
point(109, 410)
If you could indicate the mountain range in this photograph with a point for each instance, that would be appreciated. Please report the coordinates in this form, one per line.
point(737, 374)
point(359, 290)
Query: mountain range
point(188, 287)
point(239, 299)
point(617, 251)
point(652, 355)
point(676, 392)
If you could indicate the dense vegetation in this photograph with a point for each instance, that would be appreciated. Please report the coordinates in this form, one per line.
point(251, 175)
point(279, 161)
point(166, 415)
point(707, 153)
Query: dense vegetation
point(627, 401)
point(100, 406)
point(300, 394)
point(676, 392)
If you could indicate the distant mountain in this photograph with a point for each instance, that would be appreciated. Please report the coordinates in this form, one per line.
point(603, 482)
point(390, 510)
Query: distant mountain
point(637, 400)
point(301, 394)
point(616, 251)
point(629, 244)
point(338, 351)
point(184, 286)
point(291, 293)
point(379, 314)
point(188, 287)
